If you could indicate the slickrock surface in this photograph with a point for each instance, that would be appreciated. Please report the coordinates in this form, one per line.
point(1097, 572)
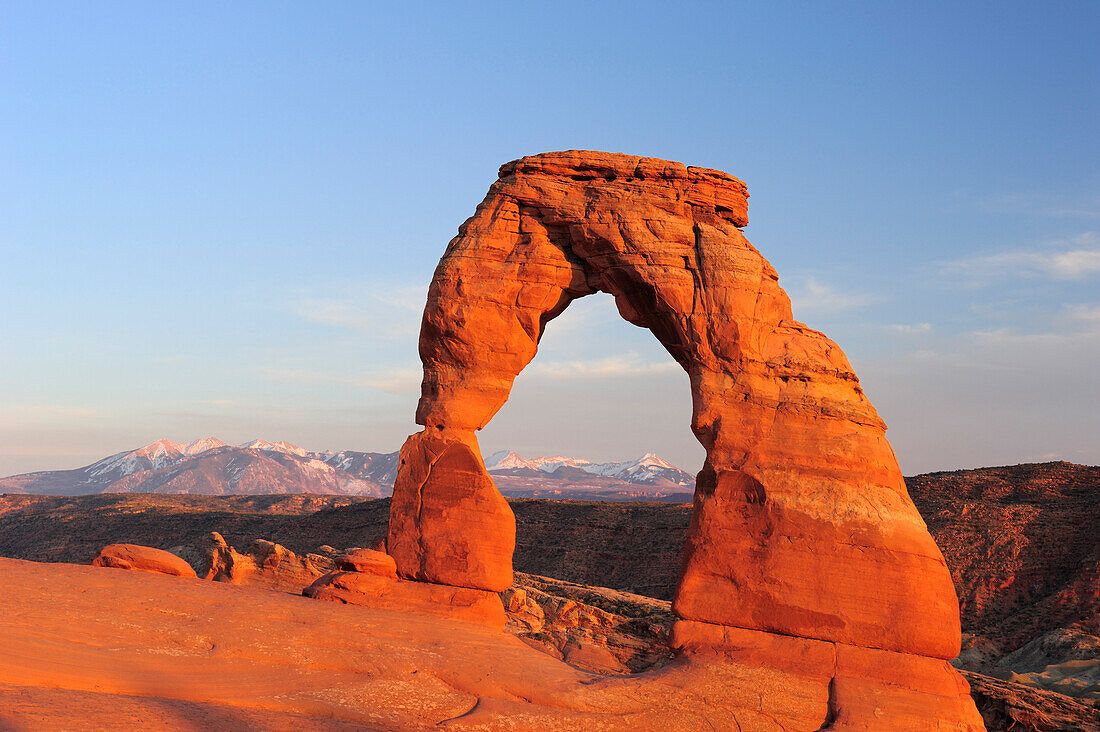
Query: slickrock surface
point(142, 559)
point(145, 651)
point(372, 590)
point(637, 546)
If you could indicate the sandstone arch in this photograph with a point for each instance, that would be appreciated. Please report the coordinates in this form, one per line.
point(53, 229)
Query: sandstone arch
point(802, 525)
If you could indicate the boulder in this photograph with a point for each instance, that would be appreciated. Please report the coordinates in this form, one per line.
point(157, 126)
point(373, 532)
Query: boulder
point(142, 559)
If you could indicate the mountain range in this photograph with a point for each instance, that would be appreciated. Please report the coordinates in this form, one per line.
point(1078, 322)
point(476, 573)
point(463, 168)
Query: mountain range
point(212, 467)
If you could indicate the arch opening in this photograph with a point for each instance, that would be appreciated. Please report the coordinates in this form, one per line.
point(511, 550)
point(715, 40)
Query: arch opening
point(599, 389)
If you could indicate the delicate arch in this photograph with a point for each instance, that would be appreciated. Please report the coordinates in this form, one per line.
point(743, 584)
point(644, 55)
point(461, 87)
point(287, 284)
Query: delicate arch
point(802, 524)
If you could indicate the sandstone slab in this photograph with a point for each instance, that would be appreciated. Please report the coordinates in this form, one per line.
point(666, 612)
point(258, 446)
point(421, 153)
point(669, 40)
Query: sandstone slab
point(177, 655)
point(385, 593)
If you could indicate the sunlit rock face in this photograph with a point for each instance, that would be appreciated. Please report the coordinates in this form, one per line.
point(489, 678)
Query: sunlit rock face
point(802, 525)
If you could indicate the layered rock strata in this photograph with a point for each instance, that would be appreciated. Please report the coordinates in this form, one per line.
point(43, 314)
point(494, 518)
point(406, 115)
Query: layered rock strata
point(802, 525)
point(369, 577)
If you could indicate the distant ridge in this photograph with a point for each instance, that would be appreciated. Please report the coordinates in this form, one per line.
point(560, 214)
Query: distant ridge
point(211, 466)
point(558, 476)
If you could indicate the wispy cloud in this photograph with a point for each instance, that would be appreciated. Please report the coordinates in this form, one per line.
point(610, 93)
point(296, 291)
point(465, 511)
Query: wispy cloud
point(809, 295)
point(403, 380)
point(626, 364)
point(331, 311)
point(1087, 313)
point(392, 380)
point(1083, 212)
point(49, 413)
point(1075, 259)
point(914, 329)
point(372, 310)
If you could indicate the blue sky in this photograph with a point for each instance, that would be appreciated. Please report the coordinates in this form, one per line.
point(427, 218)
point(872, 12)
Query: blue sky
point(221, 218)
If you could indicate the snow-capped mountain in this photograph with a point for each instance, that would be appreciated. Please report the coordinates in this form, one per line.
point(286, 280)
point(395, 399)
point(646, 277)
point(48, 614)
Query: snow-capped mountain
point(212, 467)
point(646, 470)
point(280, 446)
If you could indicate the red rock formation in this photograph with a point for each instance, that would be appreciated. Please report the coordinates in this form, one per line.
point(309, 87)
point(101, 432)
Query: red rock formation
point(142, 559)
point(368, 561)
point(448, 522)
point(802, 525)
point(266, 564)
point(131, 650)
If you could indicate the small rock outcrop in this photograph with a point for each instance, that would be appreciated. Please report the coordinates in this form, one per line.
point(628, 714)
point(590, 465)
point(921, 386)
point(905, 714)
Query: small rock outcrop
point(804, 549)
point(142, 559)
point(1011, 707)
point(367, 561)
point(265, 564)
point(593, 628)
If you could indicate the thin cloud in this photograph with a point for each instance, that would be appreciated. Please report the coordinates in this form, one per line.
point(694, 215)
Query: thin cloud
point(1037, 204)
point(396, 380)
point(1079, 260)
point(392, 311)
point(622, 365)
point(1009, 336)
point(1083, 313)
point(49, 413)
point(410, 297)
point(812, 296)
point(331, 311)
point(1075, 212)
point(403, 381)
point(914, 329)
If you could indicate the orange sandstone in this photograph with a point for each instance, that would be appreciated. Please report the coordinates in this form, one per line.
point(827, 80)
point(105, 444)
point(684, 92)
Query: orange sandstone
point(370, 561)
point(142, 559)
point(802, 525)
point(137, 650)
